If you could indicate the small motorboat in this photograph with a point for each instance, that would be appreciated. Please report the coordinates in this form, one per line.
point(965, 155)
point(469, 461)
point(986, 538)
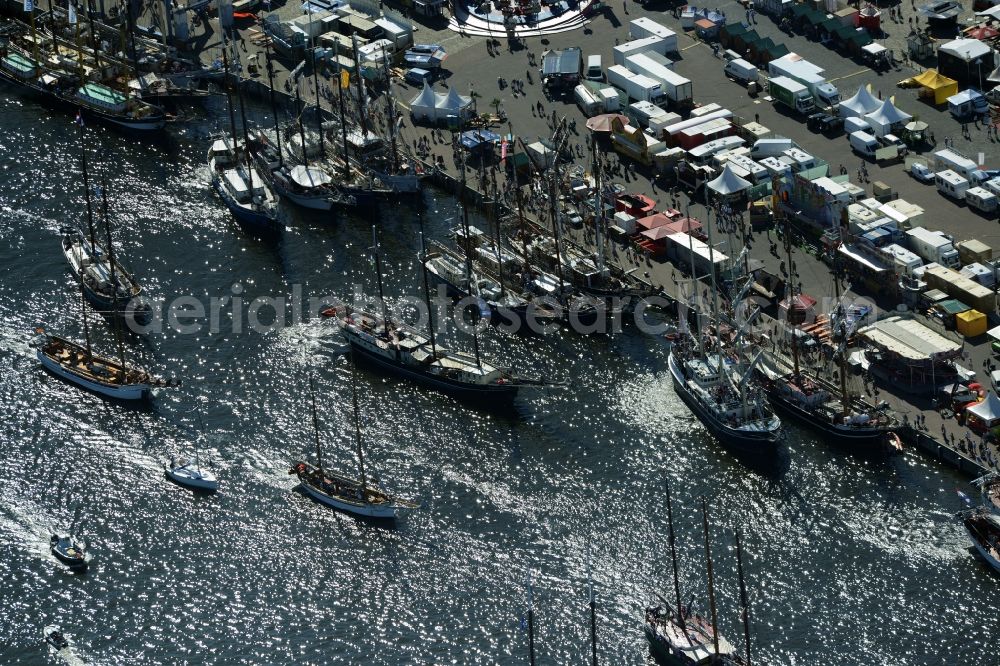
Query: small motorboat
point(68, 552)
point(189, 473)
point(54, 637)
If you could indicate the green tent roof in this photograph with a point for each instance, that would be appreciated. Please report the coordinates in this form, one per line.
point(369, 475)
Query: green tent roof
point(952, 306)
point(733, 29)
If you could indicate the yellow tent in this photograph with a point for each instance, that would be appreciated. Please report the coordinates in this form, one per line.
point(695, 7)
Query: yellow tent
point(970, 323)
point(941, 87)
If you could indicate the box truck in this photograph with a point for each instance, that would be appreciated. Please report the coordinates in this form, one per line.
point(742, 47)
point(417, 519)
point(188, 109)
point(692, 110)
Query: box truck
point(741, 71)
point(792, 94)
point(636, 86)
point(677, 88)
point(825, 94)
point(646, 27)
point(589, 103)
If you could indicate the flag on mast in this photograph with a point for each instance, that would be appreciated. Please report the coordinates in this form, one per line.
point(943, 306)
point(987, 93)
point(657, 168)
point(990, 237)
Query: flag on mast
point(72, 13)
point(29, 5)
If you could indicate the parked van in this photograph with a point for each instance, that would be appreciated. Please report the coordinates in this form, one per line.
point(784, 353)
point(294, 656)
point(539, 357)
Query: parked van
point(951, 184)
point(741, 71)
point(594, 71)
point(417, 76)
point(980, 199)
point(863, 143)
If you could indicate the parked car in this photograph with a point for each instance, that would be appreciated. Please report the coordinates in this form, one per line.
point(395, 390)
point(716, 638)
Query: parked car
point(824, 122)
point(921, 172)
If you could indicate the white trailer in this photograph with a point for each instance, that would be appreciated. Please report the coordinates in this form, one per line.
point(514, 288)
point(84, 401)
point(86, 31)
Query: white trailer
point(644, 45)
point(646, 27)
point(589, 103)
point(636, 86)
point(677, 88)
point(981, 199)
point(933, 246)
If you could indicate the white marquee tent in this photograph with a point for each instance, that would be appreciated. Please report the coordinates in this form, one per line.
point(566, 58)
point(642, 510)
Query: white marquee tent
point(887, 117)
point(860, 105)
point(431, 106)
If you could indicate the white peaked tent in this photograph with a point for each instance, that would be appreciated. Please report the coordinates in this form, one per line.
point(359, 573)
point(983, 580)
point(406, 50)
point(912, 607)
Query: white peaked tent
point(988, 411)
point(728, 185)
point(860, 105)
point(453, 104)
point(433, 107)
point(886, 117)
point(424, 105)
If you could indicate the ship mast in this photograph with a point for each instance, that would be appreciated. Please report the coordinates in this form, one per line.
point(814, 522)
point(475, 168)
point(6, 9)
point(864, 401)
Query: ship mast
point(114, 277)
point(86, 188)
point(391, 117)
point(673, 556)
point(715, 293)
point(229, 96)
point(302, 129)
point(357, 429)
point(319, 109)
point(593, 611)
point(274, 106)
point(554, 187)
point(315, 420)
point(468, 260)
point(744, 602)
point(427, 289)
point(599, 221)
point(844, 397)
point(522, 227)
point(791, 296)
point(531, 624)
point(711, 580)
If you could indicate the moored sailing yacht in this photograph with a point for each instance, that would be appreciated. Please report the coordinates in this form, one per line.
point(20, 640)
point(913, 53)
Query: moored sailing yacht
point(360, 496)
point(106, 284)
point(402, 350)
point(235, 176)
point(841, 418)
point(79, 365)
point(983, 528)
point(732, 411)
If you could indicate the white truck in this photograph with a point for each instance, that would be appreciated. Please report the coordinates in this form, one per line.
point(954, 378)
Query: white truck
point(644, 45)
point(791, 93)
point(677, 88)
point(588, 101)
point(933, 247)
point(646, 27)
point(636, 86)
point(794, 67)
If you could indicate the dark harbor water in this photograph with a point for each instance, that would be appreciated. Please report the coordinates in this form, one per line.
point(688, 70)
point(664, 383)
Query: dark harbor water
point(852, 561)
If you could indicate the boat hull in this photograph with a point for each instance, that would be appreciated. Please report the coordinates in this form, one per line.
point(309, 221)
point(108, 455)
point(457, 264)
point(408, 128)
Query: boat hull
point(491, 394)
point(252, 220)
point(862, 439)
point(985, 554)
point(182, 477)
point(661, 651)
point(379, 511)
point(760, 443)
point(118, 392)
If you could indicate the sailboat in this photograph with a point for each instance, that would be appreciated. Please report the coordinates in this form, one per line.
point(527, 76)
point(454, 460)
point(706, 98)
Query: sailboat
point(819, 404)
point(983, 528)
point(394, 347)
point(235, 177)
point(79, 364)
point(24, 68)
point(305, 185)
point(731, 410)
point(106, 284)
point(360, 496)
point(676, 635)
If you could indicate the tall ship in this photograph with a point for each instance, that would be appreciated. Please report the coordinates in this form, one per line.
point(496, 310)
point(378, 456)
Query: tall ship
point(27, 69)
point(841, 418)
point(719, 390)
point(359, 496)
point(677, 635)
point(406, 352)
